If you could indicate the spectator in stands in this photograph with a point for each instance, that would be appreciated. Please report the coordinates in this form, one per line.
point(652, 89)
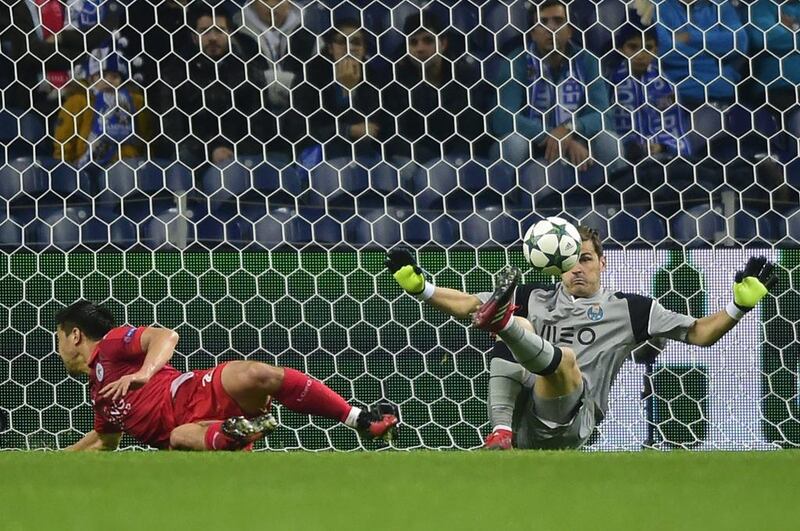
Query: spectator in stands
point(708, 32)
point(105, 122)
point(705, 31)
point(158, 44)
point(220, 114)
point(430, 96)
point(350, 121)
point(90, 15)
point(774, 29)
point(597, 20)
point(39, 38)
point(105, 18)
point(276, 27)
point(157, 35)
point(646, 116)
point(594, 20)
point(537, 119)
point(653, 130)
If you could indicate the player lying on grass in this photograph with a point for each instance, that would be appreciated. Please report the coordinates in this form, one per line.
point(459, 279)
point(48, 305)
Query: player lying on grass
point(134, 390)
point(567, 341)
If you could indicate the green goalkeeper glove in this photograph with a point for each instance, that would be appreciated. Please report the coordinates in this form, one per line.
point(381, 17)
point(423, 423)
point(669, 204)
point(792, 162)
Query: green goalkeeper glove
point(751, 285)
point(401, 262)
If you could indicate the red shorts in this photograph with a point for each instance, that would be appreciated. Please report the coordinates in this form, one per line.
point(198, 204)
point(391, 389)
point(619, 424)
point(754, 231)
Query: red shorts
point(202, 397)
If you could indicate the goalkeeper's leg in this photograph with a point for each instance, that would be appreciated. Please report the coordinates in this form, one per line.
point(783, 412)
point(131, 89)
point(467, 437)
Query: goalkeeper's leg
point(556, 368)
point(507, 379)
point(556, 394)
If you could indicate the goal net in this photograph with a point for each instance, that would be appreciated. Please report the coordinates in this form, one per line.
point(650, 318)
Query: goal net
point(237, 170)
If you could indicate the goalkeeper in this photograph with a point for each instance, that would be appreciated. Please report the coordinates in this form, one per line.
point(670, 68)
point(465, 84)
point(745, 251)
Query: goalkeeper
point(567, 341)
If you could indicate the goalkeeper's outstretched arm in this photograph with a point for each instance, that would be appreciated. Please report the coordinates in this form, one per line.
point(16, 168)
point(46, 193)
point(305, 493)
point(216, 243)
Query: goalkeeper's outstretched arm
point(750, 286)
point(709, 329)
point(407, 273)
point(453, 302)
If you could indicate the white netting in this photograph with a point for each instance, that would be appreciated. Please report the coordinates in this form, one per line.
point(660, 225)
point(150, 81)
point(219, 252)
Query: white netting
point(234, 171)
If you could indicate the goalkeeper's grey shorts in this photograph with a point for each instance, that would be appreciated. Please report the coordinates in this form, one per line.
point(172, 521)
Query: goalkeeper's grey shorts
point(534, 432)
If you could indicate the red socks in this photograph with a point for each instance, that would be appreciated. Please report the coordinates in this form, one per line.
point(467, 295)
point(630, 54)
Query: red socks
point(303, 394)
point(216, 440)
point(299, 393)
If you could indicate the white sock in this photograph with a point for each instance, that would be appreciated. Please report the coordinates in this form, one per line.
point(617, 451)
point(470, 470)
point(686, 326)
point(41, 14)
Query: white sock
point(352, 417)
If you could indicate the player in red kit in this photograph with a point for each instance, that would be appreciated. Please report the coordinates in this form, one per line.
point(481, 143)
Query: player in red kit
point(134, 390)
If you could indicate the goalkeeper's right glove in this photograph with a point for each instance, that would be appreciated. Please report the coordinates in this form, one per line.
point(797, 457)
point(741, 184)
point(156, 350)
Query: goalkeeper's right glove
point(751, 285)
point(401, 262)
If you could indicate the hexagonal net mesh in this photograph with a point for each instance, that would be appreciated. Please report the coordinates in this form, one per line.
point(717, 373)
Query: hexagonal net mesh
point(235, 170)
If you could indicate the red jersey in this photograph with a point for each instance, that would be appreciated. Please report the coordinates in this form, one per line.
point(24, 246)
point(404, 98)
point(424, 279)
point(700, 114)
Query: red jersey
point(145, 413)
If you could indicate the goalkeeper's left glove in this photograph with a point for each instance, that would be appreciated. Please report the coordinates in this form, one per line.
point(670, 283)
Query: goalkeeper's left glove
point(401, 262)
point(750, 286)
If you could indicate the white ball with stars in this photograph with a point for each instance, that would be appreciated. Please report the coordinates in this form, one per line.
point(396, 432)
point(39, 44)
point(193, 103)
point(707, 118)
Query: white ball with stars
point(553, 246)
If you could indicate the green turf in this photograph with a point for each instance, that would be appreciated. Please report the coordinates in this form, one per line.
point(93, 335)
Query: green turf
point(399, 490)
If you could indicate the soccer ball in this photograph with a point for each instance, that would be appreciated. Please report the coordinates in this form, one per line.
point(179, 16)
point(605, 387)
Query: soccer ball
point(552, 245)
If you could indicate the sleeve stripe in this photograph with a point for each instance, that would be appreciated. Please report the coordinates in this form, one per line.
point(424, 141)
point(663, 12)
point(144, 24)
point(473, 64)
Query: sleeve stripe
point(521, 299)
point(639, 309)
point(523, 296)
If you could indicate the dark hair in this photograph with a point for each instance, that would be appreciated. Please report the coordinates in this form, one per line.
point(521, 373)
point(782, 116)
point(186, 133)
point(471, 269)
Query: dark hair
point(345, 22)
point(424, 21)
point(91, 319)
point(198, 10)
point(589, 234)
point(628, 31)
point(534, 9)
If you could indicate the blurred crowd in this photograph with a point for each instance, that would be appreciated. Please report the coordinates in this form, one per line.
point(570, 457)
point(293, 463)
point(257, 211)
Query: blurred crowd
point(653, 120)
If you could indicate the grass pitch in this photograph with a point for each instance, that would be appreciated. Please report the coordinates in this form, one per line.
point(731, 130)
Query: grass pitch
point(399, 490)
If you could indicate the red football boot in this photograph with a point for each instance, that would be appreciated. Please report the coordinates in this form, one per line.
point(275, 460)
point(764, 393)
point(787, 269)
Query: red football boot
point(499, 439)
point(378, 423)
point(494, 314)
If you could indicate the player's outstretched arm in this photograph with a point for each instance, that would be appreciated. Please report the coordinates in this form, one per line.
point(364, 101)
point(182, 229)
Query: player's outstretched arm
point(401, 262)
point(158, 344)
point(453, 302)
point(750, 286)
point(94, 441)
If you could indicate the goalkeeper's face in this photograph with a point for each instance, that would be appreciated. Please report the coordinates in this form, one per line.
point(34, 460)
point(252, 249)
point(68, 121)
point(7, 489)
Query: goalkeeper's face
point(583, 280)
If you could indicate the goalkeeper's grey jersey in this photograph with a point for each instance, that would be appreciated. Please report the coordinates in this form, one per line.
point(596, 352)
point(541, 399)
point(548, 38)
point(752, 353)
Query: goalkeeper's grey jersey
point(602, 329)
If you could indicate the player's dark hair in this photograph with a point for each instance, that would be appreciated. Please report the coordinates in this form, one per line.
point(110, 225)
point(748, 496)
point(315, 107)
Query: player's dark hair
point(198, 10)
point(425, 21)
point(630, 30)
point(92, 320)
point(589, 234)
point(534, 10)
point(338, 27)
